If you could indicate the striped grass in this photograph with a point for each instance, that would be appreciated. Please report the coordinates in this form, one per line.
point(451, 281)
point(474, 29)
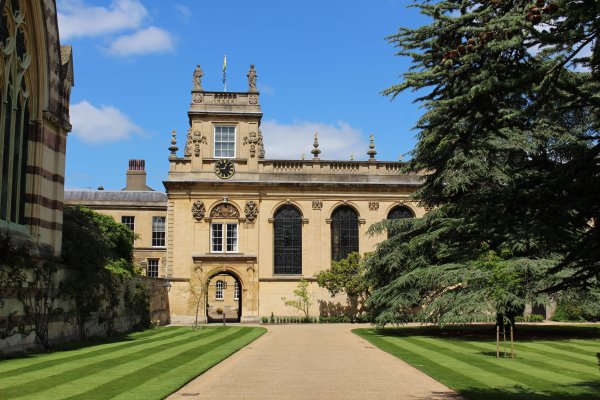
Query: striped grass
point(550, 363)
point(146, 365)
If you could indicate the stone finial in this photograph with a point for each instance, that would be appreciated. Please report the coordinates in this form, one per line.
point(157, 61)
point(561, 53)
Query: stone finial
point(371, 153)
point(173, 148)
point(316, 150)
point(303, 156)
point(197, 79)
point(351, 156)
point(252, 79)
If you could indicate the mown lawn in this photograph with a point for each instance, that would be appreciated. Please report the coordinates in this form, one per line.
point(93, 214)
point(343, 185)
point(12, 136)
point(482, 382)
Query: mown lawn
point(551, 362)
point(145, 365)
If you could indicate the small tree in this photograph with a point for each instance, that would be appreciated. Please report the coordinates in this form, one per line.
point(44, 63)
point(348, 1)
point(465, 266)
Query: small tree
point(303, 298)
point(196, 289)
point(347, 276)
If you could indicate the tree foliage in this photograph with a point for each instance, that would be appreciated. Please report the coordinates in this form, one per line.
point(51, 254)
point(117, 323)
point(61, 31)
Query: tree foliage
point(347, 276)
point(303, 298)
point(509, 140)
point(98, 254)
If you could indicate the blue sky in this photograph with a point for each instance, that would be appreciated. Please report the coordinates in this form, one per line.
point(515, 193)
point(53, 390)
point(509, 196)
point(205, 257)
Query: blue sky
point(321, 66)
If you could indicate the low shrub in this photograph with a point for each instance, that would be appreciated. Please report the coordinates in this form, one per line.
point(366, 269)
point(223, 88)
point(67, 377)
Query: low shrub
point(530, 318)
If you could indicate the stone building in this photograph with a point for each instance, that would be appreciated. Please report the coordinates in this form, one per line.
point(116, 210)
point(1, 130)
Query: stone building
point(240, 222)
point(138, 207)
point(36, 77)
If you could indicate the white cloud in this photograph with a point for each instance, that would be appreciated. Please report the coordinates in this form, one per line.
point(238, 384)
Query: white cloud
point(77, 19)
point(149, 40)
point(99, 125)
point(289, 141)
point(184, 12)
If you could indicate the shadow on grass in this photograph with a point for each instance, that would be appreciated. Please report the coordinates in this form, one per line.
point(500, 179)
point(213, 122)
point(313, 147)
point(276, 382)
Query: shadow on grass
point(90, 342)
point(522, 393)
point(488, 331)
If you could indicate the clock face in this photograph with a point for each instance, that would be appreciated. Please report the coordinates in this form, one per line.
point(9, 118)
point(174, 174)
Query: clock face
point(224, 169)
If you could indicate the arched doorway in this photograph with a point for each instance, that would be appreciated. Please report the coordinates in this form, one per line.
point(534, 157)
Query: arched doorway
point(223, 298)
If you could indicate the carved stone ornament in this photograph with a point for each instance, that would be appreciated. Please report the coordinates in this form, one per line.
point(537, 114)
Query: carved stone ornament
point(225, 210)
point(253, 141)
point(197, 78)
point(253, 99)
point(373, 205)
point(261, 146)
point(197, 98)
point(198, 210)
point(187, 151)
point(198, 139)
point(251, 210)
point(317, 204)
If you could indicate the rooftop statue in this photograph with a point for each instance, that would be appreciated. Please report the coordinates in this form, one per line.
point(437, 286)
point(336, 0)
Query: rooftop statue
point(197, 79)
point(252, 79)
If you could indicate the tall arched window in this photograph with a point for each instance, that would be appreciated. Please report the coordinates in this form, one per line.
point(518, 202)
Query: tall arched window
point(399, 212)
point(14, 114)
point(287, 233)
point(344, 232)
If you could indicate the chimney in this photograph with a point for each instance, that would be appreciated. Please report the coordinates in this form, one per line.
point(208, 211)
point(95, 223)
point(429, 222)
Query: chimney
point(136, 175)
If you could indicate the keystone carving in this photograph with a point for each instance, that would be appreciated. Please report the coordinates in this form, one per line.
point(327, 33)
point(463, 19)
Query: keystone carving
point(198, 210)
point(251, 210)
point(225, 210)
point(317, 204)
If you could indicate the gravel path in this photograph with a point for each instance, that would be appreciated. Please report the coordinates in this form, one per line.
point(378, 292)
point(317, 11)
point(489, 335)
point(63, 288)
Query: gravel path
point(323, 361)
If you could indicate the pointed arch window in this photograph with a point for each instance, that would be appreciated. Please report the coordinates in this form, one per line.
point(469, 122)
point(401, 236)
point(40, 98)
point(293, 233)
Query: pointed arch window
point(288, 241)
point(14, 111)
point(399, 212)
point(344, 232)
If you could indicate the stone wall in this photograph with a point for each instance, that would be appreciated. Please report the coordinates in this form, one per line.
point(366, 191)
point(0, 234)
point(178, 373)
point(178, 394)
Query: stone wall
point(63, 329)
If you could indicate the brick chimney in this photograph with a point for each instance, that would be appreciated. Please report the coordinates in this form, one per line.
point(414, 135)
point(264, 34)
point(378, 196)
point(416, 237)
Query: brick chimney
point(136, 175)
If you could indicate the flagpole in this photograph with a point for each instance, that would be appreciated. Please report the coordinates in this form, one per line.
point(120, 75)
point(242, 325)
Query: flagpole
point(225, 73)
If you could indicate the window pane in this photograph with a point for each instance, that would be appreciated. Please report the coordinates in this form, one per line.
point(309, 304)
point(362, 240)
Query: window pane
point(225, 141)
point(217, 237)
point(288, 241)
point(219, 290)
point(232, 238)
point(158, 232)
point(129, 222)
point(152, 271)
point(344, 233)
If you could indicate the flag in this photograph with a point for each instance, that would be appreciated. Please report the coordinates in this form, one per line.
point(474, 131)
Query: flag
point(224, 70)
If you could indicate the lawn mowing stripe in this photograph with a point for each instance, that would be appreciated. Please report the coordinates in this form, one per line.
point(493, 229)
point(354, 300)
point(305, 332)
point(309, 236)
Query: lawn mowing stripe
point(417, 359)
point(594, 346)
point(83, 360)
point(519, 376)
point(593, 343)
point(567, 348)
point(459, 366)
point(556, 348)
point(79, 372)
point(537, 360)
point(44, 363)
point(180, 375)
point(588, 362)
point(136, 378)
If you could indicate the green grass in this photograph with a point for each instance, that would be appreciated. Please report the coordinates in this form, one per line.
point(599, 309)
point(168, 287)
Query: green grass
point(146, 365)
point(552, 362)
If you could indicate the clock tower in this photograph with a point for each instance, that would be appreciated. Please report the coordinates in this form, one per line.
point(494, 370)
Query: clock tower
point(224, 141)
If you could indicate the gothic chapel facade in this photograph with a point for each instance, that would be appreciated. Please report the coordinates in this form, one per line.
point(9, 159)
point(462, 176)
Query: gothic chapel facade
point(251, 227)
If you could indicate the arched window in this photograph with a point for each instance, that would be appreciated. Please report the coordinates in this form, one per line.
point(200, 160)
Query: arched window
point(15, 121)
point(219, 286)
point(236, 290)
point(287, 233)
point(344, 232)
point(399, 212)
